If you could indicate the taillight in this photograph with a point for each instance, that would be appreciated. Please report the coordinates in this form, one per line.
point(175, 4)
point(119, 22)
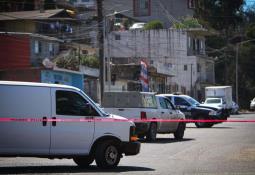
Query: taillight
point(132, 134)
point(143, 116)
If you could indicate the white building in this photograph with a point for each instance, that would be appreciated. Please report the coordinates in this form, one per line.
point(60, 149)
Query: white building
point(179, 54)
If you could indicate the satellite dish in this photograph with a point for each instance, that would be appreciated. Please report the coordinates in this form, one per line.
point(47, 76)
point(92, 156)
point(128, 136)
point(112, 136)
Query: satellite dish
point(47, 63)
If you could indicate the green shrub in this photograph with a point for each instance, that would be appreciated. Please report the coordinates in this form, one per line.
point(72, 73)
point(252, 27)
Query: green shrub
point(155, 24)
point(187, 23)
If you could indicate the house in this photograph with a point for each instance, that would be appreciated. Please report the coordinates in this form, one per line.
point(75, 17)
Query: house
point(59, 23)
point(177, 56)
point(23, 50)
point(147, 10)
point(28, 57)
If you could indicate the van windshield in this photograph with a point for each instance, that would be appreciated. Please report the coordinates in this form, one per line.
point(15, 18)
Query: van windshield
point(95, 106)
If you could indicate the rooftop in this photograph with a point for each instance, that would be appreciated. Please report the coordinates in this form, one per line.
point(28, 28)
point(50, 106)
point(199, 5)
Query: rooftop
point(35, 15)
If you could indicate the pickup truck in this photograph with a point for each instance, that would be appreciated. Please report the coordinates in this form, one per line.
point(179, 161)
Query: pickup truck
point(151, 113)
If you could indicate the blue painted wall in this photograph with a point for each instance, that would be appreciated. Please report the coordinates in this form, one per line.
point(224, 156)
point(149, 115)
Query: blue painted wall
point(59, 77)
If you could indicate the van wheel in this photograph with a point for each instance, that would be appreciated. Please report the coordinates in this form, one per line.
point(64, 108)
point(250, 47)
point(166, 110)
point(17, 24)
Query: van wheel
point(152, 133)
point(179, 133)
point(107, 154)
point(83, 161)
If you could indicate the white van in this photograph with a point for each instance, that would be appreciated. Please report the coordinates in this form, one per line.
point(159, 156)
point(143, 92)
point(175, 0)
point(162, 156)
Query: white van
point(58, 121)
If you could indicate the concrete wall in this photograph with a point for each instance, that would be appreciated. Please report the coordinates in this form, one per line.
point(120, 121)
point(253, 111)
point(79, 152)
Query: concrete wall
point(168, 47)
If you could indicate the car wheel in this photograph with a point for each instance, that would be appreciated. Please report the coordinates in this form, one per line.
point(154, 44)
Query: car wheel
point(83, 161)
point(152, 133)
point(203, 124)
point(107, 154)
point(179, 133)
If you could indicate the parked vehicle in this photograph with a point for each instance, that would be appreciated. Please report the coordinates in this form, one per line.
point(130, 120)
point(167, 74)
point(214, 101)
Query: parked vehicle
point(143, 106)
point(235, 108)
point(139, 25)
point(193, 109)
point(58, 121)
point(223, 92)
point(252, 105)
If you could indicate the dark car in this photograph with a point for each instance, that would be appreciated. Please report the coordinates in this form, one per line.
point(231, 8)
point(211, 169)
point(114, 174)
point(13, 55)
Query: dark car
point(193, 110)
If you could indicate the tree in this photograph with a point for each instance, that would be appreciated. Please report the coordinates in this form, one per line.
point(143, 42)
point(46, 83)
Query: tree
point(233, 26)
point(222, 15)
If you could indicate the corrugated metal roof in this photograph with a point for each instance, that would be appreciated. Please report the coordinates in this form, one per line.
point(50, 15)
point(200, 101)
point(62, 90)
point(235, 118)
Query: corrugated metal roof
point(35, 35)
point(35, 14)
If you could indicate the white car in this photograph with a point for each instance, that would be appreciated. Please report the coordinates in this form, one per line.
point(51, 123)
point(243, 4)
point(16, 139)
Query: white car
point(235, 108)
point(139, 25)
point(215, 102)
point(252, 105)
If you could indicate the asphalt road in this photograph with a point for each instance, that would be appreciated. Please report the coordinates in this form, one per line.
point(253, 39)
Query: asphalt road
point(227, 148)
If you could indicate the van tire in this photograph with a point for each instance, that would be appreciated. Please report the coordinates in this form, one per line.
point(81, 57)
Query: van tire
point(83, 161)
point(152, 133)
point(107, 154)
point(179, 133)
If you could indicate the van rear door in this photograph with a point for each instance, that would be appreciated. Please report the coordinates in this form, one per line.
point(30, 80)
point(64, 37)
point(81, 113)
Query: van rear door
point(69, 135)
point(27, 134)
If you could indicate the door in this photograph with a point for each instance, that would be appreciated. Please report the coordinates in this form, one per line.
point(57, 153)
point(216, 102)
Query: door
point(27, 134)
point(72, 136)
point(184, 106)
point(165, 115)
point(173, 115)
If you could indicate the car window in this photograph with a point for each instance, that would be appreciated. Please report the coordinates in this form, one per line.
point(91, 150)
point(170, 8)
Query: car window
point(210, 101)
point(181, 101)
point(169, 104)
point(72, 103)
point(162, 103)
point(149, 101)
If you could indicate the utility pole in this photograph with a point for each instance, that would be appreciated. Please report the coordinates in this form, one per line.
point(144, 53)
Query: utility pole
point(191, 72)
point(101, 46)
point(237, 54)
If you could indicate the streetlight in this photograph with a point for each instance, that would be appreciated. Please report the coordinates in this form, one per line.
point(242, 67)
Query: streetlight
point(239, 45)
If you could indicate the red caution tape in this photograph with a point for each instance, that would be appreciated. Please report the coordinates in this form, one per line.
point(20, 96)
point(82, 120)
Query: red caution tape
point(121, 120)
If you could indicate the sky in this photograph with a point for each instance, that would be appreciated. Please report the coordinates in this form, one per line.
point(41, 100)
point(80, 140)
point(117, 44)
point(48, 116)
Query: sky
point(249, 2)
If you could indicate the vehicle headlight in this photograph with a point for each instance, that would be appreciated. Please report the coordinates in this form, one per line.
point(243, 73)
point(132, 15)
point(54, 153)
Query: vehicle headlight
point(212, 113)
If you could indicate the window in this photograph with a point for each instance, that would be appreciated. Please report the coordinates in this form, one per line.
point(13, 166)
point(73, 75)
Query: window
point(191, 4)
point(117, 37)
point(71, 103)
point(51, 49)
point(85, 52)
point(185, 68)
point(169, 104)
point(162, 103)
point(149, 101)
point(189, 42)
point(142, 7)
point(181, 101)
point(198, 68)
point(37, 47)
